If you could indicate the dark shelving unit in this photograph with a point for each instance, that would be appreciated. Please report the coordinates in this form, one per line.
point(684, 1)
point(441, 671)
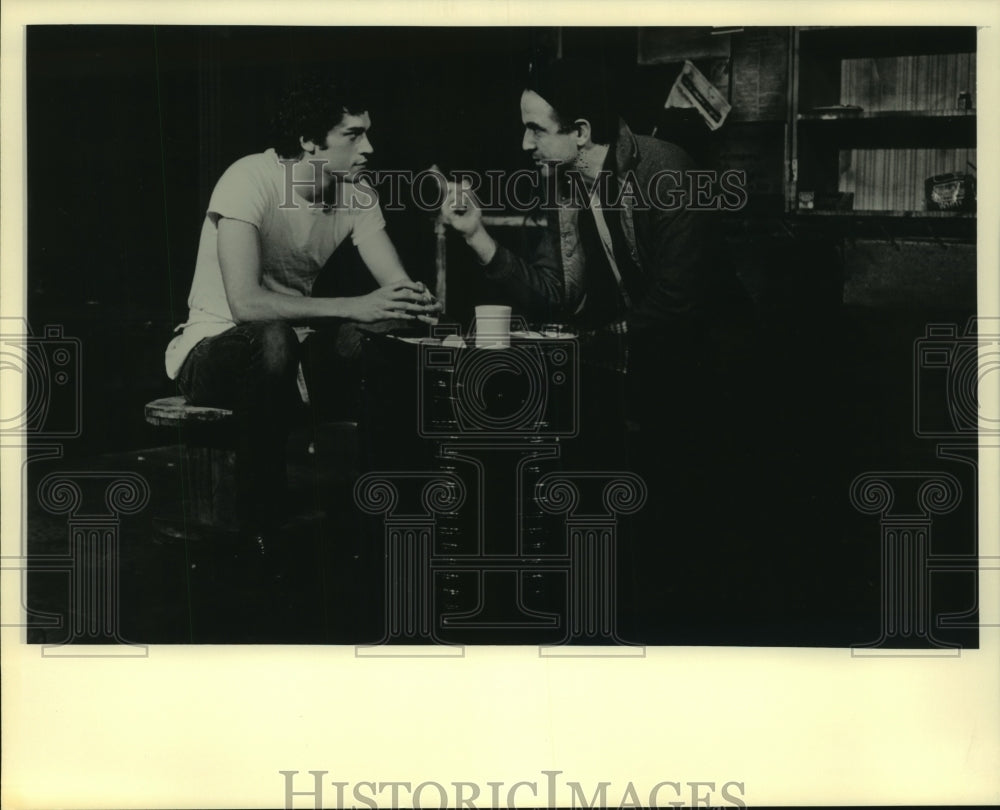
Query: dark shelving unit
point(874, 115)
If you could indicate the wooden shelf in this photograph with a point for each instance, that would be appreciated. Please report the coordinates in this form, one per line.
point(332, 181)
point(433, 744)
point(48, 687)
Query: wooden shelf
point(864, 115)
point(893, 214)
point(872, 116)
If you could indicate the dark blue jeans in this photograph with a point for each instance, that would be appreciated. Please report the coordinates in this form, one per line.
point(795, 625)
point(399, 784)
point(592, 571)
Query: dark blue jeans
point(251, 370)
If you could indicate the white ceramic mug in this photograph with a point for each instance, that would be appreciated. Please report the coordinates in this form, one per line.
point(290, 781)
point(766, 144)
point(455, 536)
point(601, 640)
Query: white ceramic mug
point(492, 326)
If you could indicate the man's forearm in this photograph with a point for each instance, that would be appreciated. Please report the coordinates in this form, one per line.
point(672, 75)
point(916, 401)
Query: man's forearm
point(482, 245)
point(534, 285)
point(266, 305)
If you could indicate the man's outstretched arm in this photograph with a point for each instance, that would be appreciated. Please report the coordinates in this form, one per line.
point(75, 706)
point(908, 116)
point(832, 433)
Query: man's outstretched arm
point(534, 284)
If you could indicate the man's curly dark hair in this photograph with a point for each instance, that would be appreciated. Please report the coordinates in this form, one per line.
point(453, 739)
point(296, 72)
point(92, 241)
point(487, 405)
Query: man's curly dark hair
point(310, 110)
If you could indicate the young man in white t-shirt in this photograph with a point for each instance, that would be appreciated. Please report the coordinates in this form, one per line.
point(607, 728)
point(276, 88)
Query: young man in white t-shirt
point(273, 221)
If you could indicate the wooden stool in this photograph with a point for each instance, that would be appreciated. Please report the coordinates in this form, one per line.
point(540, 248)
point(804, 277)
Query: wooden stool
point(208, 461)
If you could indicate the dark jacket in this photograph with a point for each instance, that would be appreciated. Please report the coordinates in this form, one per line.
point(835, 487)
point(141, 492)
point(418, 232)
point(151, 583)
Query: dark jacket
point(669, 244)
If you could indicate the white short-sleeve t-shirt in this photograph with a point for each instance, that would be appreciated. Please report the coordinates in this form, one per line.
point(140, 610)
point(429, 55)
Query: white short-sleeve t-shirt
point(296, 239)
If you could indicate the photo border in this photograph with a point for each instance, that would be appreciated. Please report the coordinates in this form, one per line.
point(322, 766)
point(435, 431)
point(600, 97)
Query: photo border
point(214, 726)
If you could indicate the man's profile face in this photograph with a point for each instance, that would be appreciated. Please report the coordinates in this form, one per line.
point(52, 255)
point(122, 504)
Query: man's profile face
point(347, 147)
point(547, 146)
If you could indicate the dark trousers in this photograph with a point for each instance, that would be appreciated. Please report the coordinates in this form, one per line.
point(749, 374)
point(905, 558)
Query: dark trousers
point(251, 370)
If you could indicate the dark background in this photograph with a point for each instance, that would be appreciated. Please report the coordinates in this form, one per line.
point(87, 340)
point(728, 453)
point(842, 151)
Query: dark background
point(129, 127)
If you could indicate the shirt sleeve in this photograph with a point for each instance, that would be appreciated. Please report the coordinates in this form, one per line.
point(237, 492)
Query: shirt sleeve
point(533, 285)
point(240, 193)
point(366, 213)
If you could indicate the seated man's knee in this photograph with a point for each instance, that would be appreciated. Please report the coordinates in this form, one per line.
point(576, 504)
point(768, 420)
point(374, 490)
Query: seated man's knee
point(277, 348)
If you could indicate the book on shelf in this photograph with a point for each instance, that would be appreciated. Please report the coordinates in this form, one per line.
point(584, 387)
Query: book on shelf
point(972, 78)
point(930, 82)
point(911, 185)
